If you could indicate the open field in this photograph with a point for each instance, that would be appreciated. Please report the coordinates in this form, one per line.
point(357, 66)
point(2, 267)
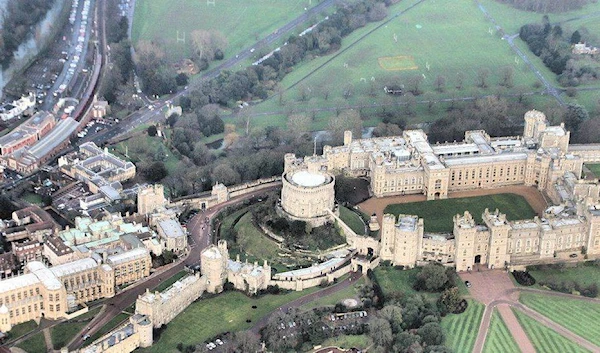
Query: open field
point(583, 274)
point(234, 310)
point(578, 316)
point(347, 342)
point(353, 220)
point(438, 214)
point(34, 344)
point(350, 292)
point(461, 329)
point(444, 38)
point(499, 339)
point(594, 168)
point(544, 339)
point(241, 22)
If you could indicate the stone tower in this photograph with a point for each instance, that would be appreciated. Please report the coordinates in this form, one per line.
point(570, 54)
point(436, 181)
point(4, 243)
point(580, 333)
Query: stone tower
point(347, 137)
point(535, 123)
point(401, 239)
point(143, 326)
point(150, 198)
point(499, 228)
point(220, 191)
point(464, 235)
point(388, 240)
point(214, 266)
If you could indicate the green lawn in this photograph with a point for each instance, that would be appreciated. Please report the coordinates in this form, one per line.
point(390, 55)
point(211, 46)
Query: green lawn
point(209, 317)
point(585, 275)
point(146, 148)
point(34, 344)
point(461, 329)
point(64, 332)
point(169, 281)
point(353, 220)
point(241, 22)
point(578, 316)
point(438, 214)
point(544, 339)
point(32, 198)
point(594, 168)
point(394, 280)
point(350, 292)
point(347, 342)
point(21, 329)
point(252, 241)
point(499, 339)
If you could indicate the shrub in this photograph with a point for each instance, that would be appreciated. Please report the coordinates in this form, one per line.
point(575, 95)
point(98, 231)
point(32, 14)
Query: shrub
point(524, 278)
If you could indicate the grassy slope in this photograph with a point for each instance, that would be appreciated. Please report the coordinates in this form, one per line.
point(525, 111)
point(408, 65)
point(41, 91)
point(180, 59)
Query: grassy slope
point(578, 316)
point(584, 275)
point(241, 22)
point(21, 329)
point(34, 344)
point(353, 220)
point(499, 339)
point(253, 242)
point(345, 341)
point(169, 281)
point(109, 326)
point(64, 332)
point(438, 214)
point(544, 339)
point(200, 321)
point(461, 329)
point(594, 168)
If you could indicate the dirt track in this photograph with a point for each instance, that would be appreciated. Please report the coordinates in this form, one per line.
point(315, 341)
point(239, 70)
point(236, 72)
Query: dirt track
point(530, 193)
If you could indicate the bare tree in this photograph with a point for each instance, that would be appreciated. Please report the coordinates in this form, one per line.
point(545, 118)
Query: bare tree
point(507, 76)
point(482, 76)
point(440, 83)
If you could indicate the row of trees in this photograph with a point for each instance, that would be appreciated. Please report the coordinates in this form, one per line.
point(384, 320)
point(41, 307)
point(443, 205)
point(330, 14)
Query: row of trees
point(546, 6)
point(20, 19)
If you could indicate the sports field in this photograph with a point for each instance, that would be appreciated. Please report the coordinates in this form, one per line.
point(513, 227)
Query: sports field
point(438, 214)
point(461, 329)
point(242, 22)
point(544, 339)
point(578, 316)
point(499, 339)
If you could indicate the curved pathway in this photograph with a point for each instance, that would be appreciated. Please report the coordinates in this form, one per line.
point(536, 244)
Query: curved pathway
point(494, 289)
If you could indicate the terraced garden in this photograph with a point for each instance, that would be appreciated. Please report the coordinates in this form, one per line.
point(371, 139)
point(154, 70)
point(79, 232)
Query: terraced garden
point(544, 339)
point(499, 339)
point(578, 316)
point(461, 329)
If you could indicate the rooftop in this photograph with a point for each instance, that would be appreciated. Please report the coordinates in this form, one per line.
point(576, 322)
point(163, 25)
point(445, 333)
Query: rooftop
point(308, 179)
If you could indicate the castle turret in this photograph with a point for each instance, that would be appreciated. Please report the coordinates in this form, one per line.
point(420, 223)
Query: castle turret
point(214, 266)
point(143, 326)
point(387, 237)
point(347, 137)
point(498, 256)
point(464, 235)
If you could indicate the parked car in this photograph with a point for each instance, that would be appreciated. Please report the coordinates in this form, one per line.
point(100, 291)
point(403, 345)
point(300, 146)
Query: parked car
point(468, 284)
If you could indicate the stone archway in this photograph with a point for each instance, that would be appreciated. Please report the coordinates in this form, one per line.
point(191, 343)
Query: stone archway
point(477, 259)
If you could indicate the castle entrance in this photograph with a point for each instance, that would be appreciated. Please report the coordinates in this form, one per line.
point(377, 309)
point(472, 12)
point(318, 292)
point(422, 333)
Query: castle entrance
point(477, 259)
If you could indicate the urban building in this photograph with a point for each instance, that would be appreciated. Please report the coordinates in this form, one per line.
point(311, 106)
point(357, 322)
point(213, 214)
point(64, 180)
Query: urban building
point(26, 134)
point(17, 108)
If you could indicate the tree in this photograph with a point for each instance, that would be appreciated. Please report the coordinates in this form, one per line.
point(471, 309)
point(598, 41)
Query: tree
point(506, 76)
point(431, 333)
point(156, 172)
point(152, 131)
point(223, 173)
point(460, 80)
point(575, 37)
point(380, 332)
point(404, 340)
point(298, 125)
point(244, 341)
point(393, 314)
point(346, 120)
point(414, 84)
point(575, 114)
point(449, 300)
point(181, 79)
point(482, 76)
point(431, 278)
point(440, 83)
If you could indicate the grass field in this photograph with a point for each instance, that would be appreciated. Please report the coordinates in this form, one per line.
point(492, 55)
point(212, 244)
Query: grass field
point(350, 292)
point(241, 22)
point(34, 344)
point(499, 339)
point(544, 339)
point(578, 316)
point(594, 168)
point(446, 37)
point(461, 329)
point(353, 220)
point(583, 274)
point(202, 320)
point(397, 63)
point(64, 332)
point(145, 148)
point(438, 214)
point(347, 342)
point(169, 281)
